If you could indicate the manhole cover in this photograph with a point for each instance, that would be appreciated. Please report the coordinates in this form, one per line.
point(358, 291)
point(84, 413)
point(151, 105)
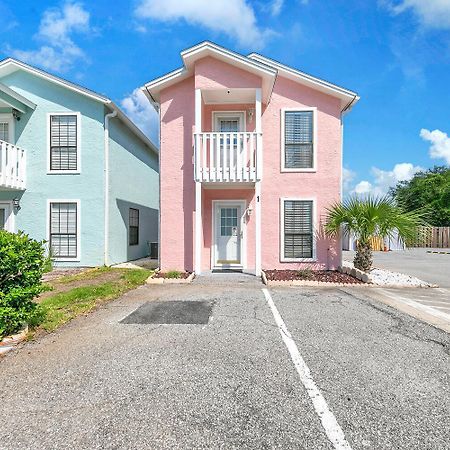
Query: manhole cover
point(171, 312)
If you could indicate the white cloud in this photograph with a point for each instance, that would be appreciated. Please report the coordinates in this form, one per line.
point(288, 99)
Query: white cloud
point(142, 113)
point(431, 13)
point(440, 144)
point(58, 51)
point(276, 6)
point(347, 178)
point(235, 18)
point(363, 187)
point(384, 179)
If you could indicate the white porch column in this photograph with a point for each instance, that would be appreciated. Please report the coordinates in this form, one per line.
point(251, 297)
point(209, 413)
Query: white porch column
point(258, 129)
point(258, 228)
point(198, 186)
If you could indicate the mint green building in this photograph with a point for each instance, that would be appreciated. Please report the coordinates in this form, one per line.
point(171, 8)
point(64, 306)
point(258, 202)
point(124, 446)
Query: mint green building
point(74, 170)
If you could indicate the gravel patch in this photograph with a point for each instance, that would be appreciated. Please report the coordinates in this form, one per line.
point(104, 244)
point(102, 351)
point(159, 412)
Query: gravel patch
point(383, 277)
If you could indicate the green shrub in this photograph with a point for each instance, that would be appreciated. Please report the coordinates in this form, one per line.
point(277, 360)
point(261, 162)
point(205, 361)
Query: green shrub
point(305, 274)
point(22, 263)
point(173, 274)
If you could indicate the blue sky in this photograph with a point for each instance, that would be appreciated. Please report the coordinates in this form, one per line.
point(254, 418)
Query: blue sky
point(394, 53)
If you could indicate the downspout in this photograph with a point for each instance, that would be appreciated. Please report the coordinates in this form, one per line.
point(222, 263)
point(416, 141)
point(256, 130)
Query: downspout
point(106, 173)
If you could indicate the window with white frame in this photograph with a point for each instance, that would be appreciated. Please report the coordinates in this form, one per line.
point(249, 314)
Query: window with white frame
point(64, 229)
point(298, 239)
point(298, 140)
point(64, 142)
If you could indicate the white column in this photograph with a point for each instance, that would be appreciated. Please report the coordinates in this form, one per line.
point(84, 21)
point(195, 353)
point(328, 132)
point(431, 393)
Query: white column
point(198, 186)
point(258, 228)
point(259, 165)
point(198, 227)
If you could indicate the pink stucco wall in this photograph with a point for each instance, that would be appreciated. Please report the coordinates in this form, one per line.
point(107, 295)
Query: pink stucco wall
point(177, 180)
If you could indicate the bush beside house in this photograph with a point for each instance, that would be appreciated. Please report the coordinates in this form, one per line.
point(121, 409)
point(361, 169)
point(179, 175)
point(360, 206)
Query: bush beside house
point(22, 263)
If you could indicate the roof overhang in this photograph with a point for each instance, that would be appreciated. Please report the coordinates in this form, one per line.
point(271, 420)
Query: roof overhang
point(348, 98)
point(189, 57)
point(13, 99)
point(10, 65)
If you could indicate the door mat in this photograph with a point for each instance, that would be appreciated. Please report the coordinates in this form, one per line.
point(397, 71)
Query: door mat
point(174, 312)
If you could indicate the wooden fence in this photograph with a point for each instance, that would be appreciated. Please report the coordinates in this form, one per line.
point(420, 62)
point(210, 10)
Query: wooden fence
point(432, 237)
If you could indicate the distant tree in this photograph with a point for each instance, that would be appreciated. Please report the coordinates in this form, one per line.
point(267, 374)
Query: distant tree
point(428, 191)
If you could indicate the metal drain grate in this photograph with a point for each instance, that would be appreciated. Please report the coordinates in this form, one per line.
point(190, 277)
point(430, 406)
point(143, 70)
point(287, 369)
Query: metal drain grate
point(179, 312)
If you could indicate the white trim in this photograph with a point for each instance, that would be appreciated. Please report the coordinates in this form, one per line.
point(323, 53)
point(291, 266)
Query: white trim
point(8, 65)
point(243, 205)
point(50, 77)
point(9, 119)
point(258, 261)
point(16, 96)
point(314, 228)
point(216, 115)
point(9, 215)
point(306, 78)
point(66, 200)
point(315, 134)
point(64, 172)
point(206, 45)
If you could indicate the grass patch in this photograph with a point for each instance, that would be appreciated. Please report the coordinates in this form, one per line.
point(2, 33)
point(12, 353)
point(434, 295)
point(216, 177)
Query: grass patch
point(88, 274)
point(64, 306)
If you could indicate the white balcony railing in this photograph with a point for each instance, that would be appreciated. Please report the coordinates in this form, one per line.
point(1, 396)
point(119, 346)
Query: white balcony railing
point(12, 166)
point(228, 157)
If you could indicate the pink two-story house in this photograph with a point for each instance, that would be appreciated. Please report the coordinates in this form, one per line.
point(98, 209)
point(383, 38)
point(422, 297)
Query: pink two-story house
point(250, 157)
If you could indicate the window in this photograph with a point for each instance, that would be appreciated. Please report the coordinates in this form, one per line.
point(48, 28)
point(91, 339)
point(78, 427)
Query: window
point(7, 127)
point(297, 238)
point(298, 143)
point(64, 142)
point(64, 229)
point(133, 227)
point(4, 131)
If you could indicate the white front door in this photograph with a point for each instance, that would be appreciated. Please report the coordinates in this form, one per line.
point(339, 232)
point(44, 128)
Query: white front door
point(228, 234)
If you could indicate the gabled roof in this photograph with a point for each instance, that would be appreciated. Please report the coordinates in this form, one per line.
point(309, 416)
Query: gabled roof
point(267, 68)
point(348, 98)
point(10, 65)
point(202, 50)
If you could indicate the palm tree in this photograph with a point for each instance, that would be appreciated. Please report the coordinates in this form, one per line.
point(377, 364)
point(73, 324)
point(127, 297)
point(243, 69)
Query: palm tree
point(371, 217)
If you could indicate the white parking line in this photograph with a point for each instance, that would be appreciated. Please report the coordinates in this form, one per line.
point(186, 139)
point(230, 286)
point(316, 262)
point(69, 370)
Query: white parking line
point(332, 428)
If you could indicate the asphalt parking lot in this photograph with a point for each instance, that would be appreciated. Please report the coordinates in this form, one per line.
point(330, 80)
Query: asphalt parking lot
point(341, 371)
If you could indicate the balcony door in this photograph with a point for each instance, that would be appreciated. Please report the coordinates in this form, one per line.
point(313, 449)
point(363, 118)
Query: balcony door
point(228, 122)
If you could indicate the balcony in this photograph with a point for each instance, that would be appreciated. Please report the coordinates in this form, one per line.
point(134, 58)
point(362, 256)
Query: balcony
point(12, 167)
point(228, 157)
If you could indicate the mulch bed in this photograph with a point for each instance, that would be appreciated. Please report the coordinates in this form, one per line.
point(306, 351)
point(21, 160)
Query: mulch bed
point(182, 275)
point(326, 276)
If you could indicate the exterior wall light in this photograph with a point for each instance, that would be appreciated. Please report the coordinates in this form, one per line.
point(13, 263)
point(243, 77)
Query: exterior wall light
point(16, 203)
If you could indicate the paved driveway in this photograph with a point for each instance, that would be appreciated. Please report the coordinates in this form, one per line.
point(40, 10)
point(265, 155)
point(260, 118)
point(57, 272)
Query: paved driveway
point(431, 267)
point(343, 369)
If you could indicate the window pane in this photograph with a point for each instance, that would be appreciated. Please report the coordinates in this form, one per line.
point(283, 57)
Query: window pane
point(4, 131)
point(133, 226)
point(63, 229)
point(63, 142)
point(298, 144)
point(298, 229)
